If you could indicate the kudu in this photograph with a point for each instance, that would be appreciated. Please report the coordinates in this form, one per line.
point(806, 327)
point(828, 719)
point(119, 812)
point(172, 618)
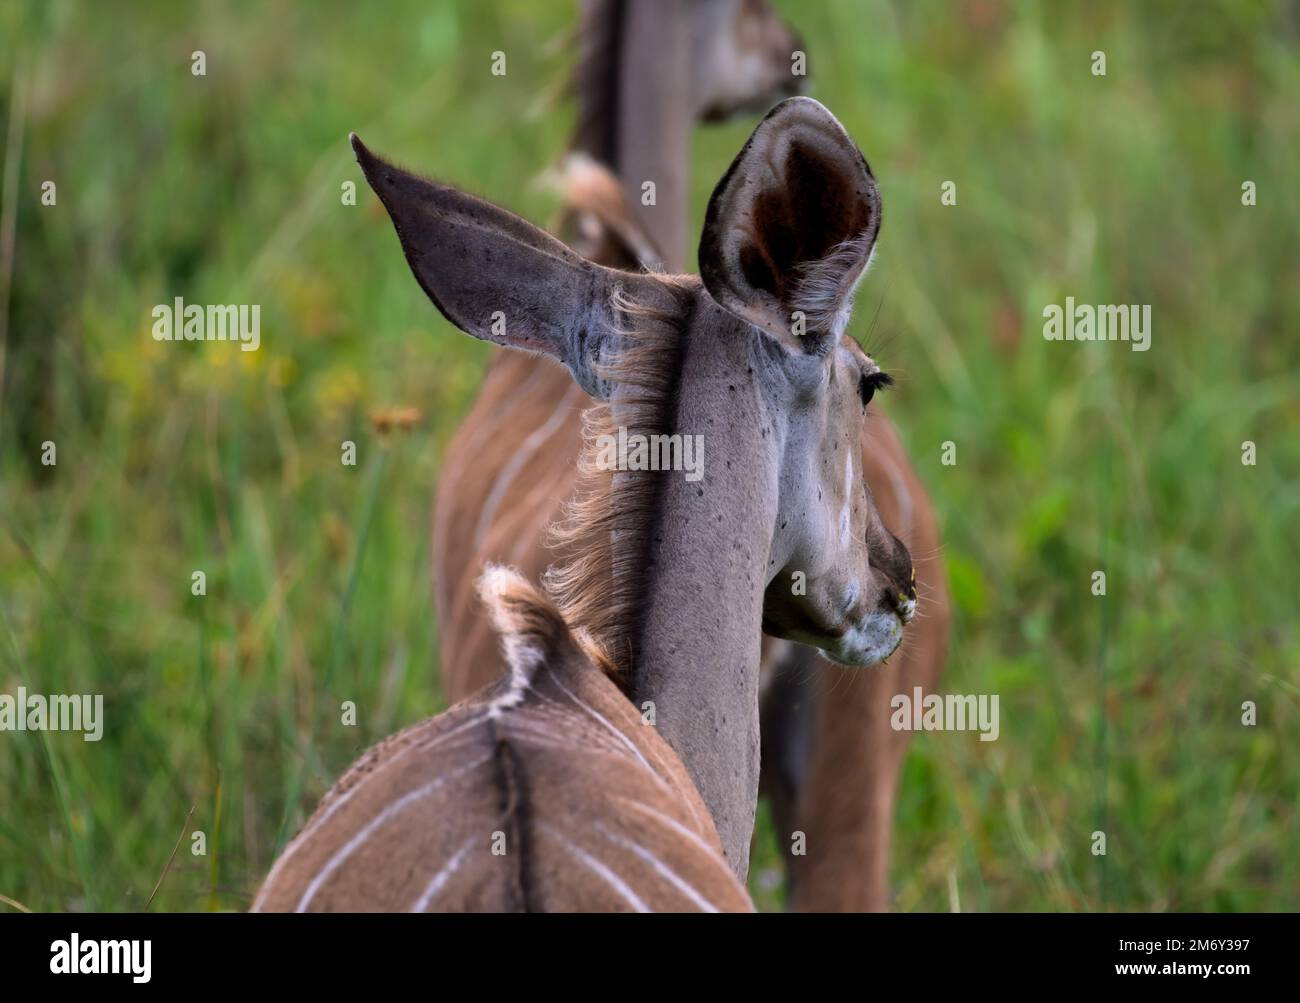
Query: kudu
point(830, 759)
point(672, 579)
point(545, 793)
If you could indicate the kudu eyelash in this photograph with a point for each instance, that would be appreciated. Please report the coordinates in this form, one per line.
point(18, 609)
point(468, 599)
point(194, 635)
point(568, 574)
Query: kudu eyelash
point(871, 382)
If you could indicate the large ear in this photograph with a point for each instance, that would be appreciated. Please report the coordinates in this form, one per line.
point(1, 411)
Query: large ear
point(792, 224)
point(494, 275)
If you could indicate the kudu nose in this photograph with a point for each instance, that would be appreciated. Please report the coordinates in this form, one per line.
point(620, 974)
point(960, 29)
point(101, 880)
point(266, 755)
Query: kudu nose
point(902, 600)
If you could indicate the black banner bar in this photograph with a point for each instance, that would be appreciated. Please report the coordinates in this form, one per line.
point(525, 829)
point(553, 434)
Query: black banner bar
point(336, 953)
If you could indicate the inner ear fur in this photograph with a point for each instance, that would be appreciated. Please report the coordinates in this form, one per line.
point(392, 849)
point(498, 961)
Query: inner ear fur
point(792, 224)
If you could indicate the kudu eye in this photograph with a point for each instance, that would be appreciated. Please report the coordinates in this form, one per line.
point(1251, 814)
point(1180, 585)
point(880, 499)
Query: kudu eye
point(871, 382)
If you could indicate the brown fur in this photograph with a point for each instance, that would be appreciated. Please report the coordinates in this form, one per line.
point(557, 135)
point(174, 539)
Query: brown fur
point(552, 765)
point(597, 221)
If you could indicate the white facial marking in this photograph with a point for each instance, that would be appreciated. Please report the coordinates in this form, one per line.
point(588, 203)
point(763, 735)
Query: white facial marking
point(848, 499)
point(868, 642)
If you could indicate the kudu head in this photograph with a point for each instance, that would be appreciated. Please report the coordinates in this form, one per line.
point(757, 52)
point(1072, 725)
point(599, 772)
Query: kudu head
point(738, 56)
point(763, 369)
point(649, 70)
point(742, 57)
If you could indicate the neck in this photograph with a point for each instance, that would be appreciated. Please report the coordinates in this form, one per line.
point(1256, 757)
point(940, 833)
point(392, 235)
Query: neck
point(666, 575)
point(698, 636)
point(635, 112)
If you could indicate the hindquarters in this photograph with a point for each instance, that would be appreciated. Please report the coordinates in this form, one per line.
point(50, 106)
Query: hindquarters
point(545, 792)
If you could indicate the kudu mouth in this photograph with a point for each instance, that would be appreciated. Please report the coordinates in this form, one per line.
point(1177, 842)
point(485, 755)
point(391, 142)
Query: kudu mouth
point(871, 637)
point(865, 641)
point(862, 632)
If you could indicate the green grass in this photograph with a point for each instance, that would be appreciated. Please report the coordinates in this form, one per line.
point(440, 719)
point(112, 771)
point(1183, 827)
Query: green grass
point(1119, 713)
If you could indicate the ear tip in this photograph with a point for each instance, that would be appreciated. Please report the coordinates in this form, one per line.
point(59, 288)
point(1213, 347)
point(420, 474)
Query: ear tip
point(801, 100)
point(800, 103)
point(806, 110)
point(379, 174)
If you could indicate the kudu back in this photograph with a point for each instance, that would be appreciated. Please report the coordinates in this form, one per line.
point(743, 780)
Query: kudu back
point(544, 793)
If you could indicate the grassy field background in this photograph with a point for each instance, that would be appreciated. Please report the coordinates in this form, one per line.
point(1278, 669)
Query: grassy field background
point(1120, 713)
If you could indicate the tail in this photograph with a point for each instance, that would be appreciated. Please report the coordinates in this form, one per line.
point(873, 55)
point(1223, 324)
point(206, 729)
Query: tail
point(533, 631)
